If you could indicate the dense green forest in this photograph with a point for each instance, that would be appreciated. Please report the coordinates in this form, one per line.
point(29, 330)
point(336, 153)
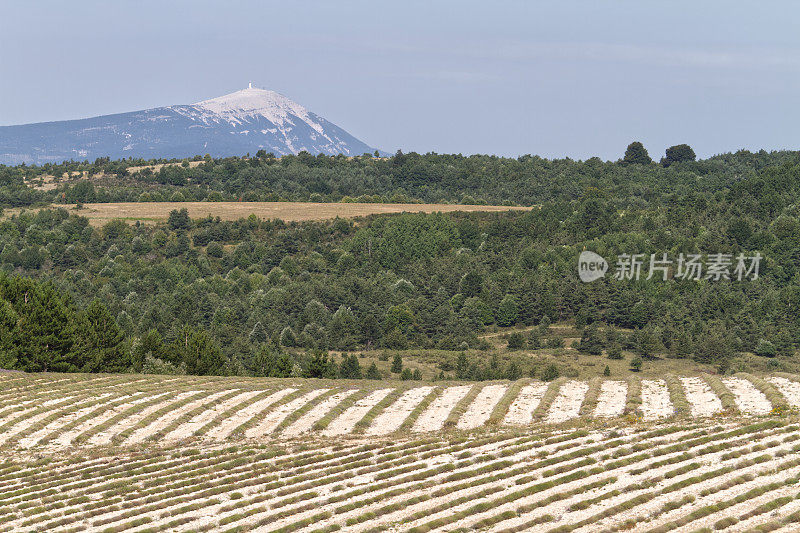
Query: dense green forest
point(527, 180)
point(246, 297)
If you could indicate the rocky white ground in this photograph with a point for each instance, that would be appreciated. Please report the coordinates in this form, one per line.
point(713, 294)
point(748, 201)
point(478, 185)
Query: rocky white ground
point(611, 401)
point(50, 411)
point(656, 403)
point(701, 397)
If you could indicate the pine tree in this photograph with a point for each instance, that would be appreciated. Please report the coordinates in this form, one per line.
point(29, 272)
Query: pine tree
point(101, 342)
point(288, 337)
point(637, 154)
point(258, 335)
point(507, 311)
point(373, 372)
point(591, 341)
point(350, 367)
point(397, 364)
point(462, 366)
point(45, 331)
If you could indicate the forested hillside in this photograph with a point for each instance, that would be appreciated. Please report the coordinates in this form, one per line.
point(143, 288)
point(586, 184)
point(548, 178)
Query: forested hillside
point(527, 180)
point(211, 296)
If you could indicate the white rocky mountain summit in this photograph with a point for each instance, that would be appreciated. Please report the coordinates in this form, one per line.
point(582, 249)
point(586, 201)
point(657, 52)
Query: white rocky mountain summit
point(243, 121)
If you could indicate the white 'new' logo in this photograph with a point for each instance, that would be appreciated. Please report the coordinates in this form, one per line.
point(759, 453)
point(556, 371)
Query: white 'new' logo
point(591, 266)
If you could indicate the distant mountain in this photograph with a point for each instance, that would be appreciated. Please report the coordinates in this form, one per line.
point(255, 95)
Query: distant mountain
point(245, 121)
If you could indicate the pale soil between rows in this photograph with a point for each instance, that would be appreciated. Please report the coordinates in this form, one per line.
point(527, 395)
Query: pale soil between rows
point(435, 415)
point(104, 437)
point(656, 402)
point(748, 398)
point(306, 422)
point(508, 484)
point(165, 420)
point(18, 414)
point(25, 423)
point(560, 509)
point(611, 401)
point(187, 429)
point(275, 417)
point(567, 404)
point(701, 397)
point(393, 416)
point(412, 491)
point(479, 411)
point(66, 438)
point(209, 515)
point(346, 422)
point(653, 505)
point(33, 439)
point(790, 389)
point(520, 413)
point(228, 425)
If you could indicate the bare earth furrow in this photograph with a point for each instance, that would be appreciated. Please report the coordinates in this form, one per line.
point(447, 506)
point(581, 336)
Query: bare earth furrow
point(611, 401)
point(434, 417)
point(188, 429)
point(567, 404)
point(748, 398)
point(393, 416)
point(701, 398)
point(346, 422)
point(520, 413)
point(479, 411)
point(656, 403)
point(276, 416)
point(788, 388)
point(227, 426)
point(306, 422)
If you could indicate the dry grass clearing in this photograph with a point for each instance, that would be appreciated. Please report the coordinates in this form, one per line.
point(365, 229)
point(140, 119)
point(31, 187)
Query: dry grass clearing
point(152, 212)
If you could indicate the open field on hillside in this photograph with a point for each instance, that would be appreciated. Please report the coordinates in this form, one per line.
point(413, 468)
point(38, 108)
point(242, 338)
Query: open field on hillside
point(143, 453)
point(58, 411)
point(152, 212)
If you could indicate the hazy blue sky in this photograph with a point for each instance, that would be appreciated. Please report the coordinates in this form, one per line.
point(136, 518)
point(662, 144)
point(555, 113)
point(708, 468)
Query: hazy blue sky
point(560, 78)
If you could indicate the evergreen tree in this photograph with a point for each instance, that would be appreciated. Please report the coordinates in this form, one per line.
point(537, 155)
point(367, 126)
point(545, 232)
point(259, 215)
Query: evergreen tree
point(397, 364)
point(591, 341)
point(507, 311)
point(678, 154)
point(373, 372)
point(320, 366)
point(258, 335)
point(101, 343)
point(45, 333)
point(198, 352)
point(350, 368)
point(179, 219)
point(269, 363)
point(462, 366)
point(636, 154)
point(288, 337)
point(614, 351)
point(534, 341)
point(516, 341)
